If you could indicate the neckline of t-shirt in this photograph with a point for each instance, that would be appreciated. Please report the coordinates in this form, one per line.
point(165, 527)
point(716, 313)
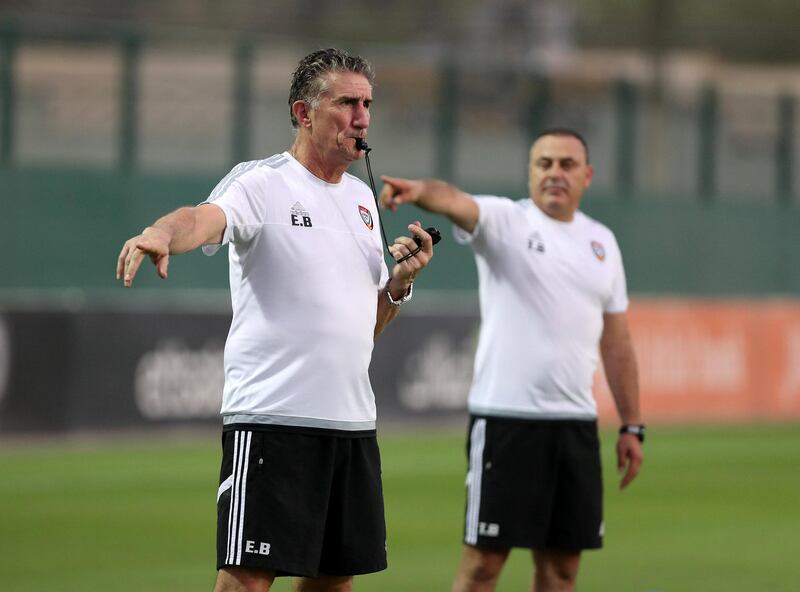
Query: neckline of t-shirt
point(311, 175)
point(556, 222)
point(572, 227)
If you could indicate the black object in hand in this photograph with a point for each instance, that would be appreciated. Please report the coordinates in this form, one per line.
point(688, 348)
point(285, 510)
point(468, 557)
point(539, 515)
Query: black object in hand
point(436, 236)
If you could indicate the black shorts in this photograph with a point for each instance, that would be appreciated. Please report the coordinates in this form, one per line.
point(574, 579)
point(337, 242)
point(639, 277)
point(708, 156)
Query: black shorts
point(301, 503)
point(535, 484)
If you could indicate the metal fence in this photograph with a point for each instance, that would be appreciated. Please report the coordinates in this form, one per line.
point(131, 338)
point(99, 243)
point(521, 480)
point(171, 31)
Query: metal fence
point(134, 102)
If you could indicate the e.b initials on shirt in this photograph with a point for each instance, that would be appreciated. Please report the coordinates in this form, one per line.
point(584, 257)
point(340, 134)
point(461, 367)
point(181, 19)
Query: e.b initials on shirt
point(301, 220)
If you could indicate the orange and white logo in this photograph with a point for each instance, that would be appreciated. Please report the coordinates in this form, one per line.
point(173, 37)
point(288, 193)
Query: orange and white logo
point(366, 216)
point(599, 250)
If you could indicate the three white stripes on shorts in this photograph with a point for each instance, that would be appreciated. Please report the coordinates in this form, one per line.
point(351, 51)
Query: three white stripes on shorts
point(241, 460)
point(477, 441)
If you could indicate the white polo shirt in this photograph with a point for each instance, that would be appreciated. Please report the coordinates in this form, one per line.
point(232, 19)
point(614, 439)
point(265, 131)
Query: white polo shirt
point(544, 286)
point(306, 265)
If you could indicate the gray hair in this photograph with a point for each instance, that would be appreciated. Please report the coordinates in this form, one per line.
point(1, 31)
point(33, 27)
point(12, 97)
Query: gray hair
point(309, 78)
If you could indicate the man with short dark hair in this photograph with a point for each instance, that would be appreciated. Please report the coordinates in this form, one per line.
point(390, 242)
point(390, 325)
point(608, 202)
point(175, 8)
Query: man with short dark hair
point(300, 485)
point(552, 289)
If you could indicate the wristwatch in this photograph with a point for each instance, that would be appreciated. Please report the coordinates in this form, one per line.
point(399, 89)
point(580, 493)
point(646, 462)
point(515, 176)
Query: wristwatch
point(636, 430)
point(405, 298)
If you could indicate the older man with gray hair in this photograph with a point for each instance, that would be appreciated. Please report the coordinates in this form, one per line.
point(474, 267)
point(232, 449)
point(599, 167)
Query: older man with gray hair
point(300, 486)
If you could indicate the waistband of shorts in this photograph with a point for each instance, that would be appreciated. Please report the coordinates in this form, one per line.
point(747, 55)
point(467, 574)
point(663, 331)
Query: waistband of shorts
point(534, 420)
point(298, 425)
point(488, 411)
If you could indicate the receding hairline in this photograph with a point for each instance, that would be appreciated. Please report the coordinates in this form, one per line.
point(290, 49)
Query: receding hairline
point(559, 133)
point(326, 78)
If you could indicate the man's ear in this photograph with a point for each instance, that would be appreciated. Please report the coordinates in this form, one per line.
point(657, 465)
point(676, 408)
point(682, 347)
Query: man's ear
point(589, 175)
point(301, 113)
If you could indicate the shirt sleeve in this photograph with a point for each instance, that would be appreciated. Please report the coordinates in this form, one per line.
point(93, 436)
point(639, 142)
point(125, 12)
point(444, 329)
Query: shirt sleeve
point(618, 298)
point(243, 207)
point(490, 220)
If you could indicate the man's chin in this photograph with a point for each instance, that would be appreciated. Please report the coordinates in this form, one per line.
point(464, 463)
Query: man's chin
point(556, 208)
point(349, 153)
point(558, 201)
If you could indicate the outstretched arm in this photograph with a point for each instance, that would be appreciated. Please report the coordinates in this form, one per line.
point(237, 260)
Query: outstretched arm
point(181, 231)
point(432, 195)
point(619, 362)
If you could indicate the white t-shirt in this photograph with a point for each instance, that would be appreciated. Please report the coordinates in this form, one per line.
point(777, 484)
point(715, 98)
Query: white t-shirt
point(306, 265)
point(544, 286)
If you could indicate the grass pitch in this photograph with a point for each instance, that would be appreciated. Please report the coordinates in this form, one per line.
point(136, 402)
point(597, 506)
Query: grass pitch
point(715, 509)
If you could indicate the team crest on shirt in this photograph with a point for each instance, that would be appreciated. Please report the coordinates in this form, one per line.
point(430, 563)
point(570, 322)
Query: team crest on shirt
point(599, 250)
point(366, 216)
point(535, 243)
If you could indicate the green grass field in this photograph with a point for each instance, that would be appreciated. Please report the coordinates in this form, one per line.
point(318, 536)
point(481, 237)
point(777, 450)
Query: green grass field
point(715, 509)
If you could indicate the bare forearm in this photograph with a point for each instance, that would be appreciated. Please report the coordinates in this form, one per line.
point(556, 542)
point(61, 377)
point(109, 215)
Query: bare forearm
point(619, 361)
point(183, 230)
point(386, 310)
point(439, 197)
point(386, 313)
point(623, 380)
point(179, 230)
point(432, 195)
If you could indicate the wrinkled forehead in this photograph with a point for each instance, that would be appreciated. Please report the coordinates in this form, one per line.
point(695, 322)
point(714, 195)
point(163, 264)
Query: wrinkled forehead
point(558, 148)
point(350, 84)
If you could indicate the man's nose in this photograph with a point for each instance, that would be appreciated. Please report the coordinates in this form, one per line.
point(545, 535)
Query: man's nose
point(361, 117)
point(555, 177)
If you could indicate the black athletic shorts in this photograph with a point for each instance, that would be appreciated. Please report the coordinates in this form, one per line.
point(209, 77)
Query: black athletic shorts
point(300, 502)
point(534, 483)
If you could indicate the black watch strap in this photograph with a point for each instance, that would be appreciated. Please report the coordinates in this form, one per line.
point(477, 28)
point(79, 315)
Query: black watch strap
point(636, 430)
